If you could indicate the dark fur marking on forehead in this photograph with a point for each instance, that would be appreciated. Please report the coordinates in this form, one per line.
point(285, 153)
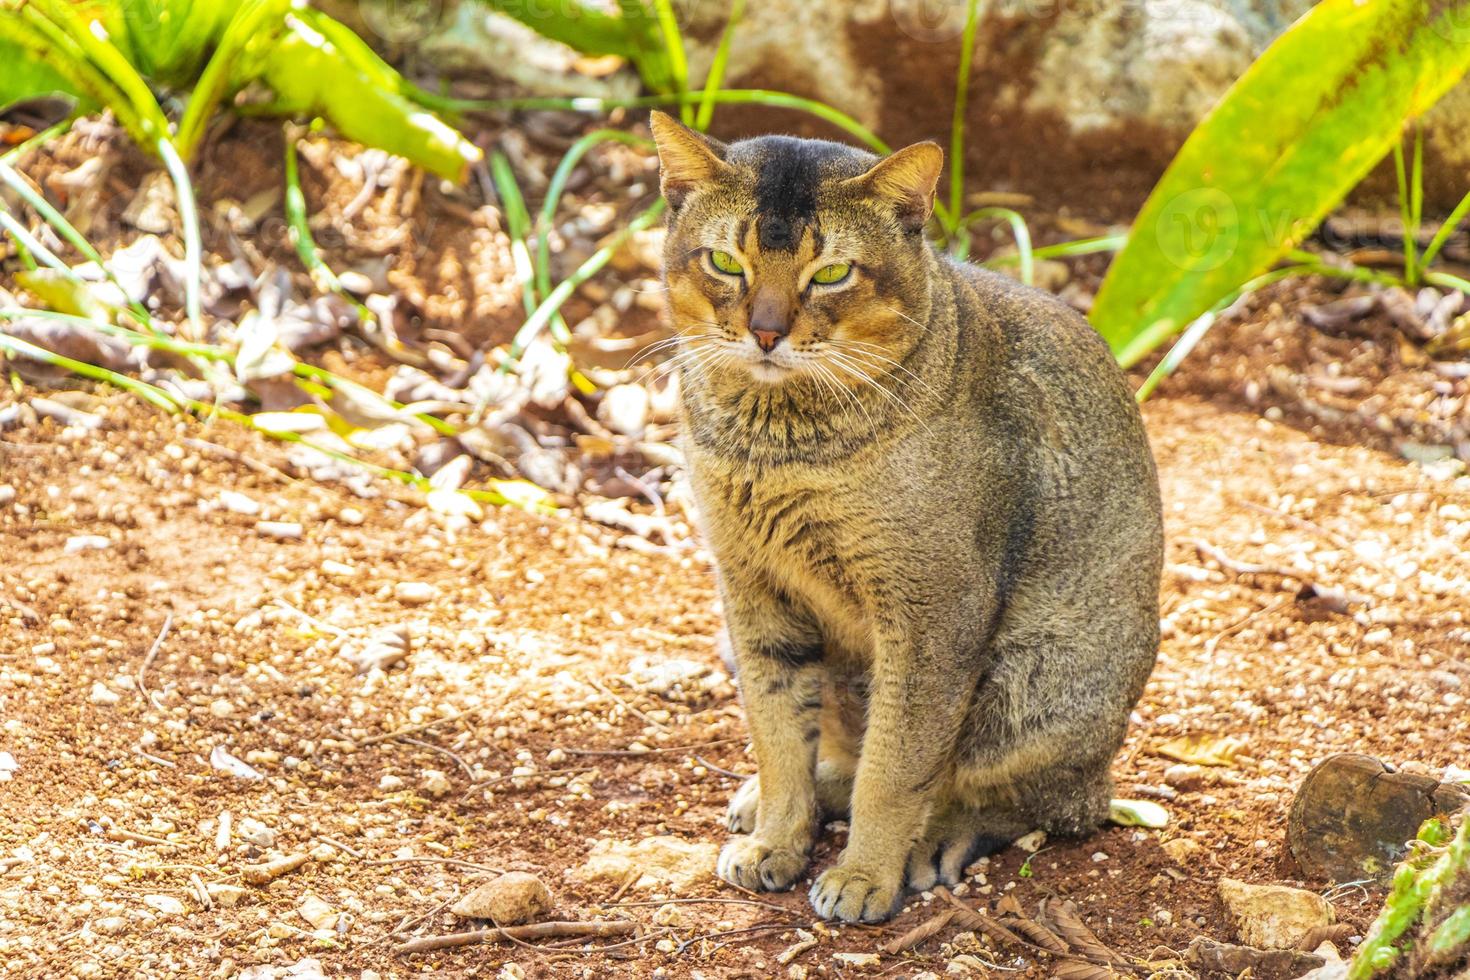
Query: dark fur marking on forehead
point(788, 173)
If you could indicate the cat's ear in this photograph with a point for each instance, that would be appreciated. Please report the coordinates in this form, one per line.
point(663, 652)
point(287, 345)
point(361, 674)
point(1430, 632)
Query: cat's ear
point(686, 159)
point(906, 180)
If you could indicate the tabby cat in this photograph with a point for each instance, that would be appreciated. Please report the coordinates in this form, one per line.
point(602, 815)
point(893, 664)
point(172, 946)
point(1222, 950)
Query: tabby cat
point(934, 511)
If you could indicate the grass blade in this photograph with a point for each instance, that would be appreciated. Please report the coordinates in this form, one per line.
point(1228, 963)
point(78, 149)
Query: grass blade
point(957, 124)
point(193, 246)
point(717, 67)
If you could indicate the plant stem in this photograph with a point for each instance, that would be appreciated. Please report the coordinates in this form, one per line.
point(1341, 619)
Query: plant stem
point(1445, 231)
point(1080, 246)
point(1196, 331)
point(557, 186)
point(13, 179)
point(717, 67)
point(957, 124)
point(674, 52)
point(193, 244)
point(589, 268)
point(1019, 231)
point(1406, 216)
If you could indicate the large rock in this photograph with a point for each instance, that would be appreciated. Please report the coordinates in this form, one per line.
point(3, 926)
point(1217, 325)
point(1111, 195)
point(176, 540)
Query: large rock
point(512, 899)
point(1081, 103)
point(1273, 916)
point(1353, 817)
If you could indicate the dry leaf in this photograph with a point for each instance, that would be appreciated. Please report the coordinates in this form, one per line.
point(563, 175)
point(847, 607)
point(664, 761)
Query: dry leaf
point(1202, 749)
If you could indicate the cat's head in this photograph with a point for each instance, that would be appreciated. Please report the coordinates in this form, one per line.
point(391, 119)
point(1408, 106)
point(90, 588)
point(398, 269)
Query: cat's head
point(789, 257)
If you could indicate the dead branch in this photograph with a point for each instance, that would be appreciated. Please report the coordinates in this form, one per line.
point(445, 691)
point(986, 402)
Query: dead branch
point(537, 930)
point(168, 622)
point(921, 932)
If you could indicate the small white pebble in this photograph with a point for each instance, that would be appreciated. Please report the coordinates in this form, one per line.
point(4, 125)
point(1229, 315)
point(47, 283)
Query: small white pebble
point(102, 694)
point(281, 530)
point(414, 593)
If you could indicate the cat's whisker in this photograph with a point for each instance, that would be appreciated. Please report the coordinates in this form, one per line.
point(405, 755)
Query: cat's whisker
point(858, 347)
point(855, 367)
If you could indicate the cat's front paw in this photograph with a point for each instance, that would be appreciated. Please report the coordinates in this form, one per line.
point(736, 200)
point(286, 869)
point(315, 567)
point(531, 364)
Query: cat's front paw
point(855, 894)
point(740, 818)
point(757, 866)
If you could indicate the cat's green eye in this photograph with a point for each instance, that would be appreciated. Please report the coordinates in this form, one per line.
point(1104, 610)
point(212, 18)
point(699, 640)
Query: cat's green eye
point(829, 275)
point(725, 262)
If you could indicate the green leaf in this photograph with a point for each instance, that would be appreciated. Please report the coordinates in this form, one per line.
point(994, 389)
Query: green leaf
point(28, 76)
point(1307, 121)
point(320, 67)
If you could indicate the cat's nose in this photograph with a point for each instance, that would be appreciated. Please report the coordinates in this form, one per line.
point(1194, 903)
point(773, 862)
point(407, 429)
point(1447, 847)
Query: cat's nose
point(767, 339)
point(770, 318)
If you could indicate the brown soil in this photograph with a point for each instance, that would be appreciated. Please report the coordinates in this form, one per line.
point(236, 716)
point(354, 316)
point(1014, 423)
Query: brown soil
point(522, 650)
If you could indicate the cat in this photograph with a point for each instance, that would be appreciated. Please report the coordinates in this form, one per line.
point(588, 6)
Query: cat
point(933, 509)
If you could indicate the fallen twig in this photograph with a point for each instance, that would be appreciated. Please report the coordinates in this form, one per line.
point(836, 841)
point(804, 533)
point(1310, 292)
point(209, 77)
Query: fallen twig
point(415, 729)
point(265, 469)
point(168, 622)
point(624, 704)
point(537, 930)
point(260, 874)
point(921, 932)
point(201, 892)
point(541, 773)
point(342, 847)
point(650, 751)
point(468, 769)
point(723, 772)
point(125, 836)
point(451, 862)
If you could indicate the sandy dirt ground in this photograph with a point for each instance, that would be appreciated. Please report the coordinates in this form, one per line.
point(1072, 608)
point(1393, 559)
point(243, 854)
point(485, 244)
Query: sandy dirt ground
point(181, 702)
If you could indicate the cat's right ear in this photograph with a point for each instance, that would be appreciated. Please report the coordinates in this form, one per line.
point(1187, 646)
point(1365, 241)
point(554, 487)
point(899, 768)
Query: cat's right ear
point(686, 159)
point(906, 179)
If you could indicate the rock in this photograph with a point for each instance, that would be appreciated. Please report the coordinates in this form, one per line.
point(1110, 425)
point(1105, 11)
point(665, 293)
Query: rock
point(317, 913)
point(624, 409)
point(78, 543)
point(256, 833)
point(7, 495)
point(384, 648)
point(280, 530)
point(1274, 916)
point(414, 593)
point(435, 783)
point(391, 783)
point(164, 904)
point(1216, 958)
point(337, 569)
point(221, 759)
point(1183, 850)
point(1353, 816)
point(857, 959)
point(1031, 843)
point(684, 681)
point(668, 861)
point(111, 925)
point(512, 899)
point(225, 894)
point(102, 694)
point(8, 766)
point(237, 503)
point(1186, 777)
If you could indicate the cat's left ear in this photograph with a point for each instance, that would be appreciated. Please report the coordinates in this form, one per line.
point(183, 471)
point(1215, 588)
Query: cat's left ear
point(906, 179)
point(686, 159)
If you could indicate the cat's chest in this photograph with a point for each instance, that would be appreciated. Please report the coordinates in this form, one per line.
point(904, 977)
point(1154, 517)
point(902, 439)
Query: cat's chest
point(811, 537)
